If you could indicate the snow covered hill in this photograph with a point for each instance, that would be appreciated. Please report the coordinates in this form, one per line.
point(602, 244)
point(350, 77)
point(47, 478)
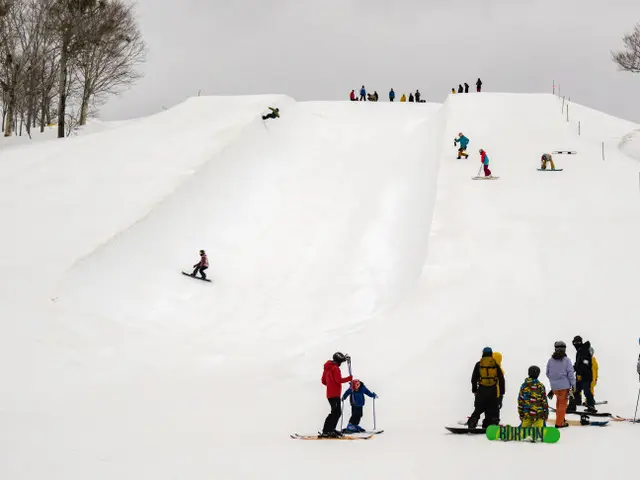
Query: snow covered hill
point(340, 226)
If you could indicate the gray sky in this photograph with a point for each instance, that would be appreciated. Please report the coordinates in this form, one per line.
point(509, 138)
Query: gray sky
point(321, 49)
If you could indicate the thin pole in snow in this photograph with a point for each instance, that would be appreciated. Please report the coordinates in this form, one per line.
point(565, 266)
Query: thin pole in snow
point(578, 127)
point(374, 413)
point(567, 111)
point(562, 104)
point(603, 151)
point(554, 87)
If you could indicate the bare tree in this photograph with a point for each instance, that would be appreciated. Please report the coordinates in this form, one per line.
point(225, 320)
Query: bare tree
point(108, 63)
point(629, 58)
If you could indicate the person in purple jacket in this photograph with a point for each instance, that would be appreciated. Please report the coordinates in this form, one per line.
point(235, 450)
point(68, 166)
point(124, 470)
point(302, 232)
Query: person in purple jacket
point(563, 381)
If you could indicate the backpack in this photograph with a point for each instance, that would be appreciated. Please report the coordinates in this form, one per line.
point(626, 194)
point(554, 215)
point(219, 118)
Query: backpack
point(488, 372)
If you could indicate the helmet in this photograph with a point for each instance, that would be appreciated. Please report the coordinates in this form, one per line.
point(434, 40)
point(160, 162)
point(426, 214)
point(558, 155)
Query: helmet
point(356, 384)
point(534, 371)
point(201, 252)
point(481, 150)
point(577, 340)
point(487, 351)
point(560, 345)
point(339, 357)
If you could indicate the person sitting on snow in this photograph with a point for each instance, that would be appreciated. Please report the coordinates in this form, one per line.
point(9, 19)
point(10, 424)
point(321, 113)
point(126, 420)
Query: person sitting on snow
point(201, 266)
point(463, 141)
point(275, 113)
point(546, 157)
point(357, 391)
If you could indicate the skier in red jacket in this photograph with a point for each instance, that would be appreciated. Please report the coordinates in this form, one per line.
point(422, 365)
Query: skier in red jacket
point(332, 378)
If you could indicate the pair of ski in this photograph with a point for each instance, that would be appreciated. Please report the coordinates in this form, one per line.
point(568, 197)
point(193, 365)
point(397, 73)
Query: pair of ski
point(345, 436)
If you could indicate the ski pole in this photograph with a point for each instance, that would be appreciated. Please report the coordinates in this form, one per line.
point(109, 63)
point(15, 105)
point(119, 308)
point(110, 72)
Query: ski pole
point(341, 415)
point(479, 170)
point(636, 412)
point(374, 414)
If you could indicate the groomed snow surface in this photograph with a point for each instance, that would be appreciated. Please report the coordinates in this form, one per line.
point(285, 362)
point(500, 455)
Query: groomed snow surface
point(340, 226)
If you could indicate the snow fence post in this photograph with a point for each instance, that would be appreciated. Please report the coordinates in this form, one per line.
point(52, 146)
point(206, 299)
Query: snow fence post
point(578, 127)
point(567, 111)
point(636, 413)
point(603, 151)
point(374, 413)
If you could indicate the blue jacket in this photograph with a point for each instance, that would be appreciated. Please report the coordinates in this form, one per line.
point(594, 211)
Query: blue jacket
point(392, 94)
point(463, 141)
point(363, 91)
point(357, 397)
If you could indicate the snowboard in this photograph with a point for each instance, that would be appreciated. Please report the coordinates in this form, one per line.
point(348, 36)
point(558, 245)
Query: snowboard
point(617, 418)
point(297, 436)
point(550, 170)
point(584, 412)
point(461, 430)
point(508, 433)
point(197, 278)
point(490, 177)
point(579, 423)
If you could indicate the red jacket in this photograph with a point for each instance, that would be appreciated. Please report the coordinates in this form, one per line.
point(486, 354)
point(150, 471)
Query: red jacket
point(204, 261)
point(332, 378)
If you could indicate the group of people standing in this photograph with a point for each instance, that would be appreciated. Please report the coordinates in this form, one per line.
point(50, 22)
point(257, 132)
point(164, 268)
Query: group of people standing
point(466, 87)
point(568, 382)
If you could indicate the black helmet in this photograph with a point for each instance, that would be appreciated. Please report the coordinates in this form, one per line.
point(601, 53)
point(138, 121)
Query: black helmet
point(577, 340)
point(534, 371)
point(339, 357)
point(560, 345)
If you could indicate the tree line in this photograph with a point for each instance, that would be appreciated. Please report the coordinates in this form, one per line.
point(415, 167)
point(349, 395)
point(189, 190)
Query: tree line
point(59, 59)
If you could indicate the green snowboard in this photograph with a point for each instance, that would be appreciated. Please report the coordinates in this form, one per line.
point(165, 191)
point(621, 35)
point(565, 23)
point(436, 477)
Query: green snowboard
point(509, 433)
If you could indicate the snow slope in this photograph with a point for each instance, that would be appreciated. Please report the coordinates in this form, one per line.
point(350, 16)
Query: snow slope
point(339, 226)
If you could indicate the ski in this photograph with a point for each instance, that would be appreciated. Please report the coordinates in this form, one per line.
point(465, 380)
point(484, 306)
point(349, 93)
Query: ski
point(297, 436)
point(617, 418)
point(491, 177)
point(366, 432)
point(550, 170)
point(508, 433)
point(197, 278)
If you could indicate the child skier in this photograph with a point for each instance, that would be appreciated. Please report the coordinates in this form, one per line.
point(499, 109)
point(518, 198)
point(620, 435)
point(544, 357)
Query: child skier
point(202, 265)
point(485, 162)
point(533, 407)
point(332, 378)
point(463, 141)
point(357, 391)
point(546, 157)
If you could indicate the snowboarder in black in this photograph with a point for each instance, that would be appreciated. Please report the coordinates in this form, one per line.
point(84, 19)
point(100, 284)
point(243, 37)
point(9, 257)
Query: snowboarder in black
point(479, 85)
point(418, 96)
point(466, 87)
point(411, 97)
point(487, 380)
point(275, 113)
point(460, 89)
point(586, 371)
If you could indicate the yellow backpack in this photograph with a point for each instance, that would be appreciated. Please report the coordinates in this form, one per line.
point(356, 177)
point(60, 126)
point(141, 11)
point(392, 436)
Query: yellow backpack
point(488, 372)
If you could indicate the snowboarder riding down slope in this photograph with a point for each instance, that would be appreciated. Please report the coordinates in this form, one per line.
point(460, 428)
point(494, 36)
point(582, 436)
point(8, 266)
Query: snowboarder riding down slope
point(533, 407)
point(484, 159)
point(332, 378)
point(486, 380)
point(586, 368)
point(546, 157)
point(562, 379)
point(202, 265)
point(275, 113)
point(357, 391)
point(463, 141)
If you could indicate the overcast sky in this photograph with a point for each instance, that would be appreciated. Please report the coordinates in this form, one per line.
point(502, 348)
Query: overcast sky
point(321, 49)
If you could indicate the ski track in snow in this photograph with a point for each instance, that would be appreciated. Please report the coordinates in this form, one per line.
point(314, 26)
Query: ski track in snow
point(340, 226)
